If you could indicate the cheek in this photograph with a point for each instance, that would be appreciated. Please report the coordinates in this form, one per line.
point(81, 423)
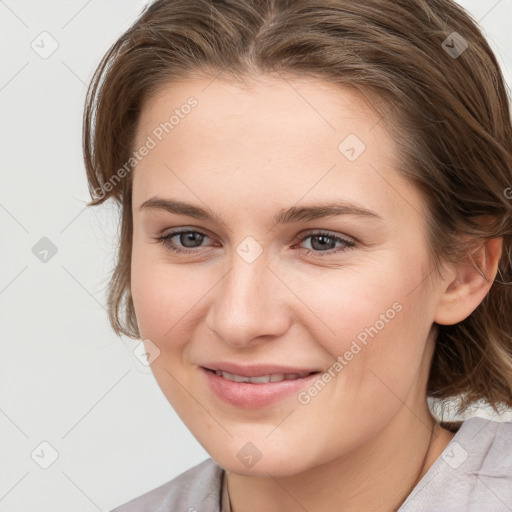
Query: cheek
point(164, 301)
point(168, 298)
point(346, 301)
point(374, 329)
point(151, 294)
point(376, 319)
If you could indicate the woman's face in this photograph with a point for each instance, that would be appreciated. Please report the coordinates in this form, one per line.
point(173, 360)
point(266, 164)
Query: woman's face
point(269, 278)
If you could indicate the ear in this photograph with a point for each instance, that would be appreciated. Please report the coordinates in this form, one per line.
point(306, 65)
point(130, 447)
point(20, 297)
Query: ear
point(464, 287)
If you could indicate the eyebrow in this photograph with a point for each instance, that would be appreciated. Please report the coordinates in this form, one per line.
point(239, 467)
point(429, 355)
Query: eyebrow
point(285, 216)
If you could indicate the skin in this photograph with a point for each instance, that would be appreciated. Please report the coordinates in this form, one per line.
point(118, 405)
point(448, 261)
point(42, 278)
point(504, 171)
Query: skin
point(245, 153)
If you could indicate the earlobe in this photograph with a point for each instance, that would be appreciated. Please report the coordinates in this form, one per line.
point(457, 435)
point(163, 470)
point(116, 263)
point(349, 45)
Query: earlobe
point(467, 287)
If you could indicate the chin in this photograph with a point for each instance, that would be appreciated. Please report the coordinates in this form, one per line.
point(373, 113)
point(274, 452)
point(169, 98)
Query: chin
point(277, 464)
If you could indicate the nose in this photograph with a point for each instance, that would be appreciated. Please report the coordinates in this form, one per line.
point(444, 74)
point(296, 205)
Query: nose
point(249, 304)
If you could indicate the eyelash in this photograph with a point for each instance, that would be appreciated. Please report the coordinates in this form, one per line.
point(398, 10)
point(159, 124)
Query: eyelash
point(348, 244)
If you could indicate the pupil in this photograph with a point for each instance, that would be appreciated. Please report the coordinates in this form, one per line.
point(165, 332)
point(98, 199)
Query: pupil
point(319, 237)
point(189, 237)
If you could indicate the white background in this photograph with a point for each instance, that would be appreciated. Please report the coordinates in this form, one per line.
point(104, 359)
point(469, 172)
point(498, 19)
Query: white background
point(65, 377)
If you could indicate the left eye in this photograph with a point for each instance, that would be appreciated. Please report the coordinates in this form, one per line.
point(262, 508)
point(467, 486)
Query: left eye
point(321, 242)
point(185, 237)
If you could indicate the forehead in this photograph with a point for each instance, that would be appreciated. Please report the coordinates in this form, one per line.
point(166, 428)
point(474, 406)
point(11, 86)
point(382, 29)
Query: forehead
point(259, 106)
point(303, 136)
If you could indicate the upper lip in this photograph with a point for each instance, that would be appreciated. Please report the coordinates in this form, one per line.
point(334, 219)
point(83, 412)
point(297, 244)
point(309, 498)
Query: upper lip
point(256, 370)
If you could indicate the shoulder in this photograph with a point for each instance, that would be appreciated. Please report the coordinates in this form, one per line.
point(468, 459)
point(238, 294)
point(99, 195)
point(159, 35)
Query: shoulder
point(473, 474)
point(196, 489)
point(492, 440)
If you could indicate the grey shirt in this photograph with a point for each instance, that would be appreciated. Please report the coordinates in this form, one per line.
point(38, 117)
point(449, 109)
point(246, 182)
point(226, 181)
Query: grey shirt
point(473, 474)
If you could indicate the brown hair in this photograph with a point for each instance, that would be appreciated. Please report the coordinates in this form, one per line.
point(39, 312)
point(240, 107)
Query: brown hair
point(427, 69)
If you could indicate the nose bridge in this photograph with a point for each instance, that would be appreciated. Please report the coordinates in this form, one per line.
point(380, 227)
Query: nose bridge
point(245, 305)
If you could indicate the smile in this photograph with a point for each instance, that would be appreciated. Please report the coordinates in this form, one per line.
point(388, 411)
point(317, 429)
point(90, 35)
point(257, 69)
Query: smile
point(255, 392)
point(263, 379)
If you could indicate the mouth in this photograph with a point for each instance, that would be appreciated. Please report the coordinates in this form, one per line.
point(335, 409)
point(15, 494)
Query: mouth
point(261, 379)
point(245, 392)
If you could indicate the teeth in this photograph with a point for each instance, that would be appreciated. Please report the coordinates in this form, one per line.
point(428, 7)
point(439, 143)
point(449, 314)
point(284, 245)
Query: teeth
point(263, 379)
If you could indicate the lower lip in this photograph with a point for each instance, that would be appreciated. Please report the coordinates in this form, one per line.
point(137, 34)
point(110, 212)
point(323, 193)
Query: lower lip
point(252, 396)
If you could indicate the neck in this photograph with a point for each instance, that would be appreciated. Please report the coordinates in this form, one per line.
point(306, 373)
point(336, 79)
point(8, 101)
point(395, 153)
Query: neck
point(377, 476)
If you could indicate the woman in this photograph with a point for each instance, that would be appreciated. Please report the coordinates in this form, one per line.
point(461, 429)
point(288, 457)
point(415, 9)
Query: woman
point(316, 239)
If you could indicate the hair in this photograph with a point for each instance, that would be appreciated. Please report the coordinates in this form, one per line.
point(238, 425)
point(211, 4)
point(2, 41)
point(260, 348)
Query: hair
point(445, 104)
